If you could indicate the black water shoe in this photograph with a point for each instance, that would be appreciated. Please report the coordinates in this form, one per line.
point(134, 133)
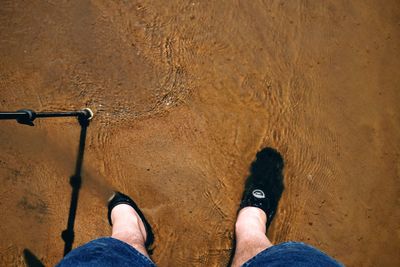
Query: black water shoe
point(264, 186)
point(120, 198)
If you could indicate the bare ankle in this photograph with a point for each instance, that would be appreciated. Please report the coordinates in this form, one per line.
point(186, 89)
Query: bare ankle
point(250, 230)
point(251, 219)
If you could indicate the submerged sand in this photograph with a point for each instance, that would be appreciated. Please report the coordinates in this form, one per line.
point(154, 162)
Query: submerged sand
point(185, 93)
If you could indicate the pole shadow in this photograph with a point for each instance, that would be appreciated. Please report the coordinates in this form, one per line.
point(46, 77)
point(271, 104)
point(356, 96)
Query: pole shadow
point(31, 260)
point(68, 235)
point(75, 181)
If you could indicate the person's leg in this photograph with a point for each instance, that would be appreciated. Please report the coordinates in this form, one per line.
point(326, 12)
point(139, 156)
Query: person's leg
point(131, 235)
point(128, 227)
point(259, 204)
point(262, 192)
point(250, 230)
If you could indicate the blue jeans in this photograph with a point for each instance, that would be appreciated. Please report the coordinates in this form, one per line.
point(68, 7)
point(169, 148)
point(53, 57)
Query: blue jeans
point(108, 251)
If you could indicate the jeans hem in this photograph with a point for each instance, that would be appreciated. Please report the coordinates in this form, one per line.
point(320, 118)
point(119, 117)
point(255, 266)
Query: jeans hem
point(134, 250)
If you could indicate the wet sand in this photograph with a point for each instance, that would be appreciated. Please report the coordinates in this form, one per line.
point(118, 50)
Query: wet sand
point(185, 94)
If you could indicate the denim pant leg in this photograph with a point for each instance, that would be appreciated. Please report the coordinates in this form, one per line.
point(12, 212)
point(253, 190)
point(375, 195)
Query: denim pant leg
point(292, 254)
point(106, 251)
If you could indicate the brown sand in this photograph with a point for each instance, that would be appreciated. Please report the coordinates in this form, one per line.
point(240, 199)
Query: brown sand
point(185, 93)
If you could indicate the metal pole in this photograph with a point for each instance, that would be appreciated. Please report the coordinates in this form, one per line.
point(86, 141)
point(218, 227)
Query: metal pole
point(27, 116)
point(11, 115)
point(84, 116)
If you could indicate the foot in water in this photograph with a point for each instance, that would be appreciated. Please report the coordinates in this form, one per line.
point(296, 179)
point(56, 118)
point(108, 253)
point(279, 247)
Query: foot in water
point(264, 186)
point(129, 223)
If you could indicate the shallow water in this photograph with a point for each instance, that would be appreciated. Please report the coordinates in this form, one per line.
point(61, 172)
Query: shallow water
point(184, 95)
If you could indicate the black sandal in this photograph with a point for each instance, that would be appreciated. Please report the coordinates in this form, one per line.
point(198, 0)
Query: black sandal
point(264, 186)
point(120, 198)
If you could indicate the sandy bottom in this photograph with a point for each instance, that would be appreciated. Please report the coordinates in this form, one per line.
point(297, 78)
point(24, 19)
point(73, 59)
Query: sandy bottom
point(185, 94)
